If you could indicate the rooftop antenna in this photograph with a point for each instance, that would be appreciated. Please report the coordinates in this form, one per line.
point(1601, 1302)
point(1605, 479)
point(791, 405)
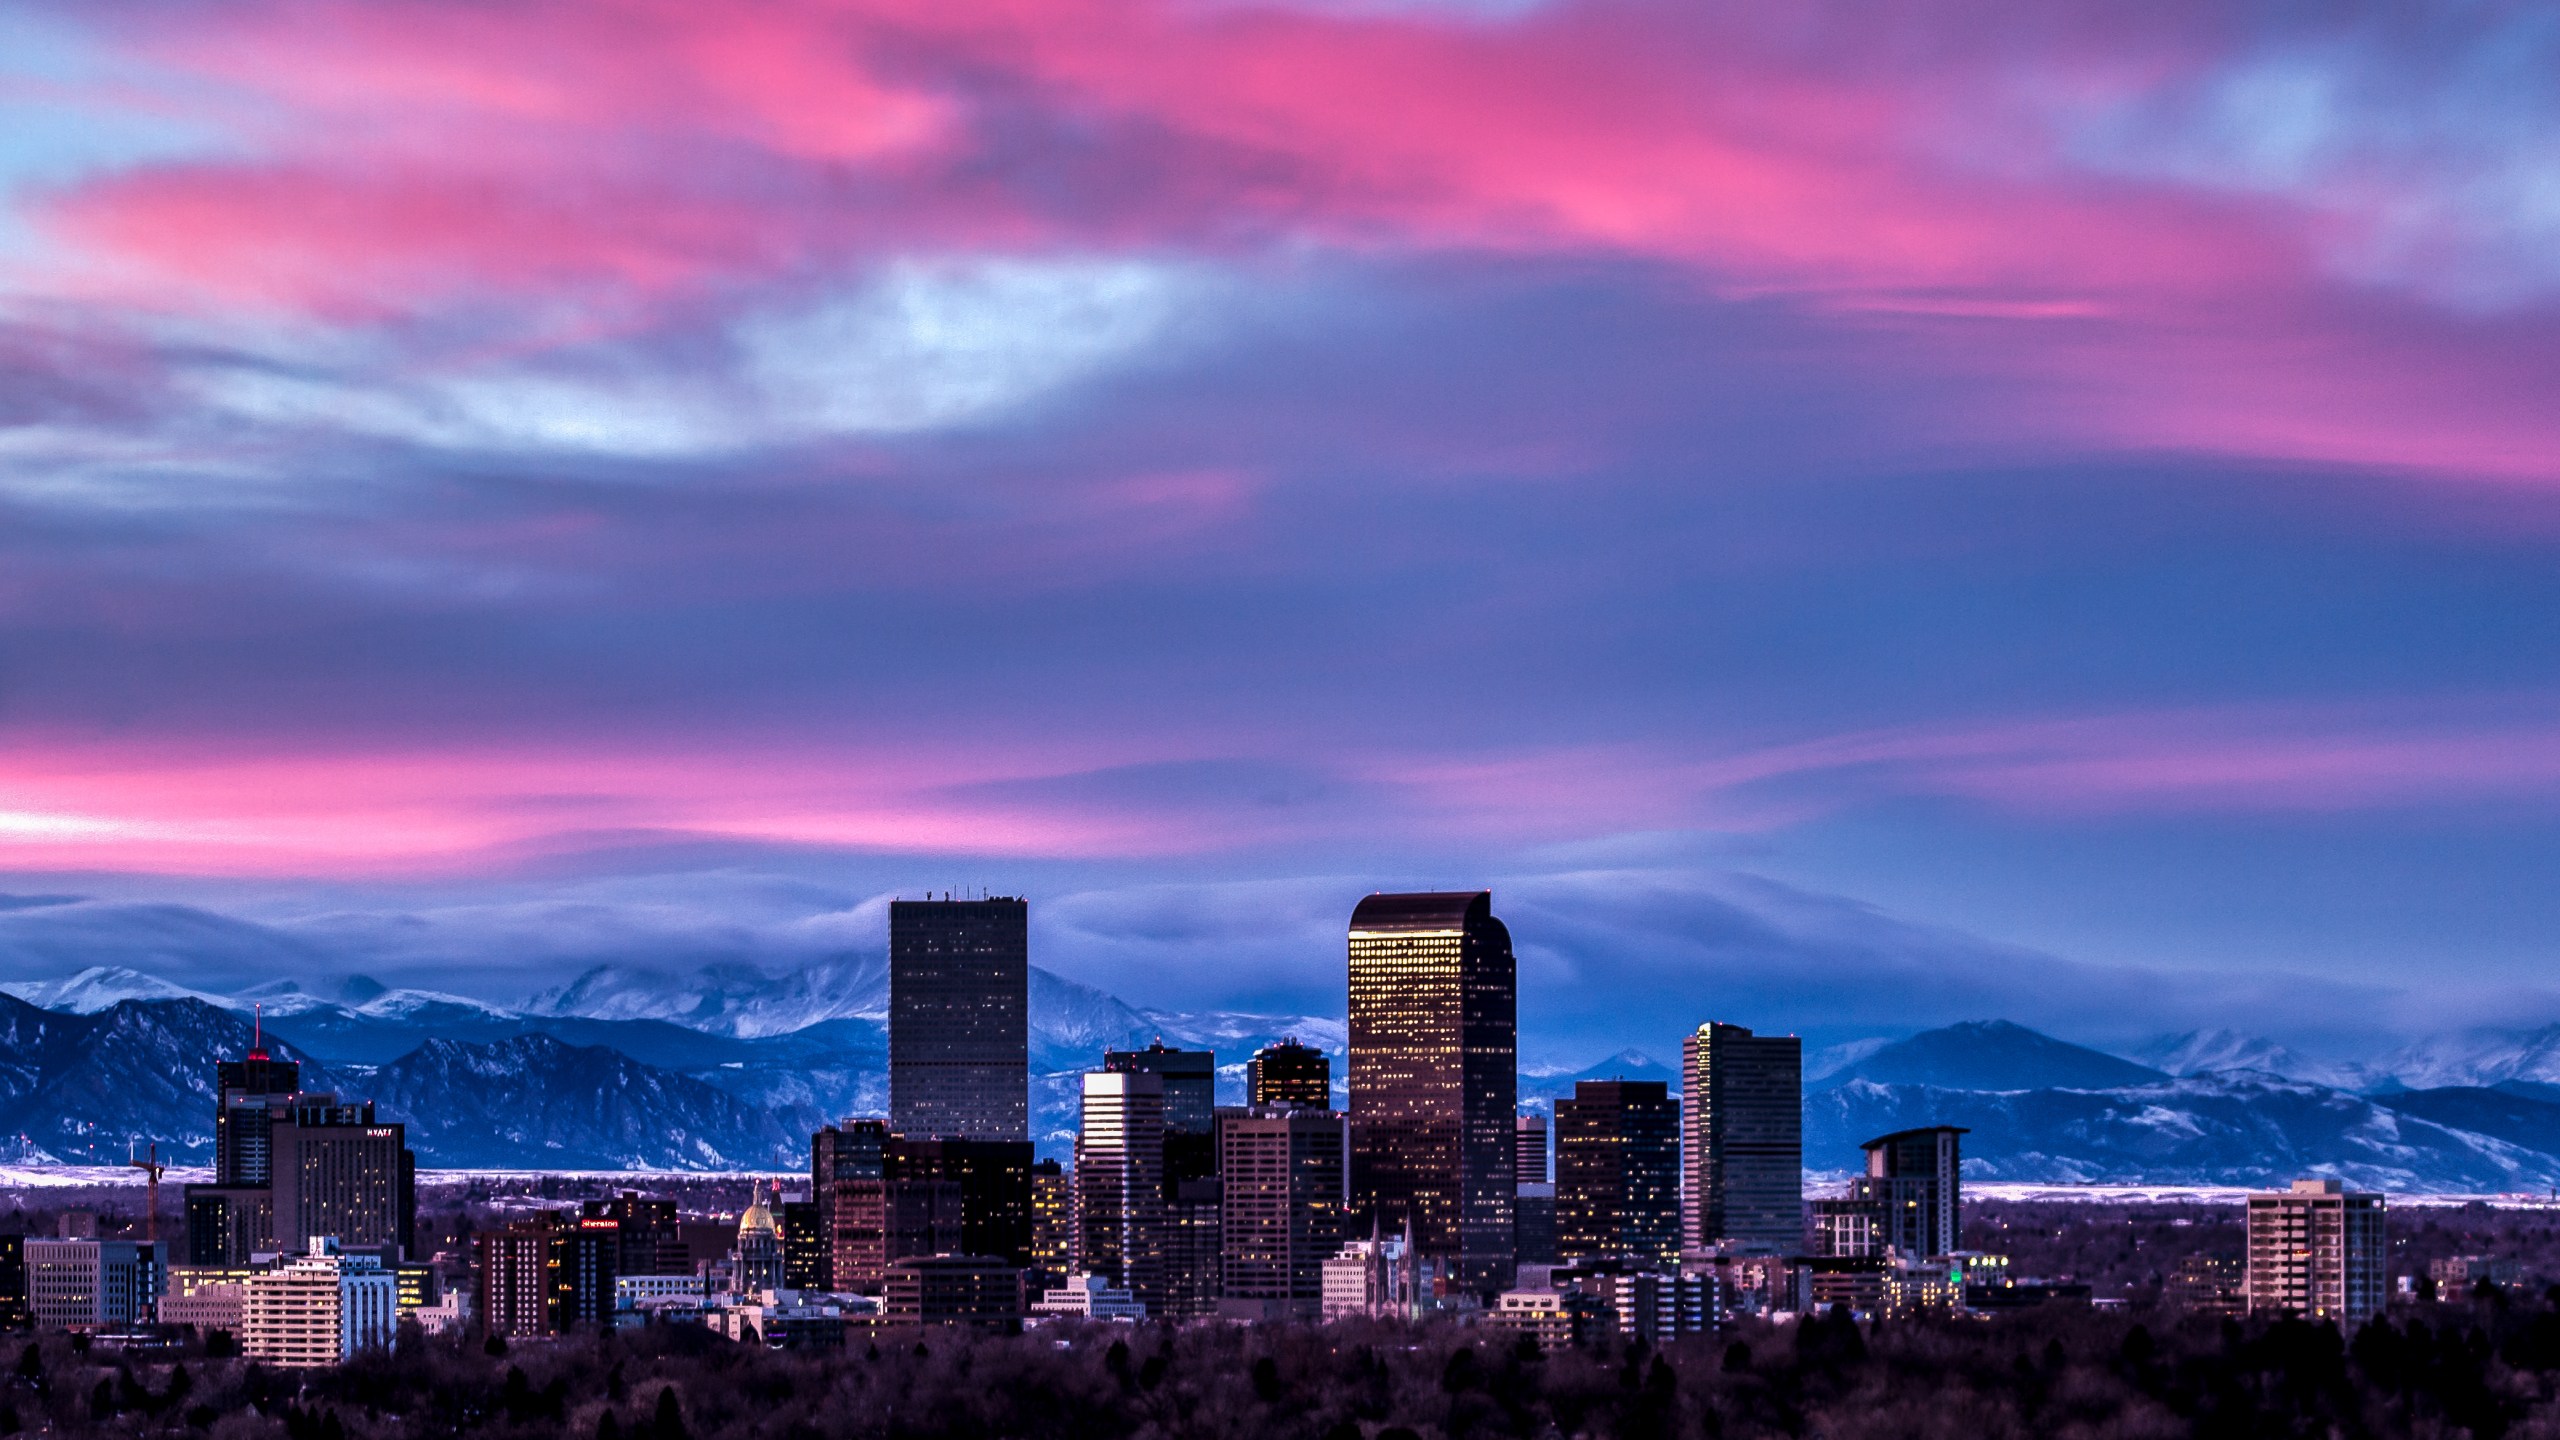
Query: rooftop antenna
point(258, 1030)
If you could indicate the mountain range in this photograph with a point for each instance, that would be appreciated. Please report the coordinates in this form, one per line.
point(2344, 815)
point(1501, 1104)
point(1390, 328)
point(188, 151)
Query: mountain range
point(731, 1068)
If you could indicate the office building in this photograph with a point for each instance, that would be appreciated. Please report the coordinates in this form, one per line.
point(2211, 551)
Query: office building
point(1554, 1319)
point(1618, 1172)
point(1193, 1249)
point(1743, 1095)
point(1088, 1297)
point(1190, 1083)
point(854, 1150)
point(994, 1178)
point(880, 1222)
point(1529, 1150)
point(1053, 1211)
point(973, 1290)
point(2317, 1251)
point(2209, 1285)
point(1119, 1183)
point(1915, 1181)
point(207, 1299)
point(650, 1233)
point(248, 1094)
point(959, 1037)
point(1851, 1228)
point(322, 1307)
point(14, 1314)
point(547, 1275)
point(1534, 1225)
point(1283, 1172)
point(1289, 1075)
point(89, 1285)
point(1434, 1015)
point(804, 1247)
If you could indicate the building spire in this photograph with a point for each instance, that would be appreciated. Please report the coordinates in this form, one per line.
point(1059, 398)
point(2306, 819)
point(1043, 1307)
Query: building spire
point(258, 1030)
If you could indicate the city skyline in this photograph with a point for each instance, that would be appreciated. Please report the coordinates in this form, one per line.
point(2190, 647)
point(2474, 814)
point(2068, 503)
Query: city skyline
point(1992, 504)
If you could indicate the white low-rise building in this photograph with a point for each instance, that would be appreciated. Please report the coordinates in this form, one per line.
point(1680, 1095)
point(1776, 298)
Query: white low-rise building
point(319, 1308)
point(1089, 1297)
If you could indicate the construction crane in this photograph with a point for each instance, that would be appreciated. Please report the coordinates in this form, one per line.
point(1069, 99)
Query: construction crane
point(151, 1169)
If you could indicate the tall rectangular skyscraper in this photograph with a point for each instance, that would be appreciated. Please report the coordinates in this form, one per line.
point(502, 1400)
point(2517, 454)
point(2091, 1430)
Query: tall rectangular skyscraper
point(1434, 1077)
point(1119, 1184)
point(1743, 1104)
point(1617, 1183)
point(959, 1030)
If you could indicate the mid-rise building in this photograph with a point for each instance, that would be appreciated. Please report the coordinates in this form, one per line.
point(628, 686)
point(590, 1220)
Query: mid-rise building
point(1743, 1099)
point(1119, 1183)
point(89, 1285)
point(650, 1232)
point(880, 1222)
point(204, 1298)
point(959, 1035)
point(1851, 1228)
point(1289, 1075)
point(1529, 1150)
point(1434, 1077)
point(1915, 1181)
point(1088, 1297)
point(318, 1308)
point(1377, 1278)
point(1555, 1319)
point(2317, 1250)
point(1283, 1216)
point(14, 1314)
point(1193, 1281)
point(972, 1290)
point(547, 1275)
point(804, 1247)
point(2209, 1285)
point(1618, 1172)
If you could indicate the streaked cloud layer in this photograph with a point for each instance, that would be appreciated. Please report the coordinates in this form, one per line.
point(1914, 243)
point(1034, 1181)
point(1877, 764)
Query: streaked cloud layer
point(1975, 460)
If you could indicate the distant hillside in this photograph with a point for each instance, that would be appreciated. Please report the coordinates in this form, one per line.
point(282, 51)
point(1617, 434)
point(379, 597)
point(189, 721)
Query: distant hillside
point(1992, 1055)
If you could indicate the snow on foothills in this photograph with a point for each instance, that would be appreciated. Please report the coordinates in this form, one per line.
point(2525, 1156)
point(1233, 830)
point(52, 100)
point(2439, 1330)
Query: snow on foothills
point(1833, 1059)
point(2099, 1194)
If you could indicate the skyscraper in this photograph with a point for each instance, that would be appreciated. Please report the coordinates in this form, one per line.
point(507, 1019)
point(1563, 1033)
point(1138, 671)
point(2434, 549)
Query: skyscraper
point(289, 1165)
point(1190, 1083)
point(1119, 1185)
point(1617, 1181)
point(1053, 1210)
point(1914, 1180)
point(994, 1177)
point(1744, 1097)
point(1434, 1016)
point(1291, 1074)
point(959, 1038)
point(1282, 1167)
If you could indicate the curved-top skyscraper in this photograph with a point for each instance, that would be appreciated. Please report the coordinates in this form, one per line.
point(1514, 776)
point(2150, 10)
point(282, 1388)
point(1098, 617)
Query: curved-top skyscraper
point(1434, 1076)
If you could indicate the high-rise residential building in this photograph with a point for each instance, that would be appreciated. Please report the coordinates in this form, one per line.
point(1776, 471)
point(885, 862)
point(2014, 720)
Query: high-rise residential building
point(1053, 1211)
point(1434, 1077)
point(1743, 1097)
point(1529, 1150)
point(2317, 1250)
point(1119, 1185)
point(247, 1094)
point(1289, 1074)
point(1618, 1172)
point(319, 1308)
point(1915, 1181)
point(959, 1037)
point(1283, 1172)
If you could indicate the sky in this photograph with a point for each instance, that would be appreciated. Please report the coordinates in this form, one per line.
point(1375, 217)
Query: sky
point(1845, 520)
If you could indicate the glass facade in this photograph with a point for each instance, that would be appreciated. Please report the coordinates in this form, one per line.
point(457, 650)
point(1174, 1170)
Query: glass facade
point(959, 1037)
point(1744, 1097)
point(1434, 1077)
